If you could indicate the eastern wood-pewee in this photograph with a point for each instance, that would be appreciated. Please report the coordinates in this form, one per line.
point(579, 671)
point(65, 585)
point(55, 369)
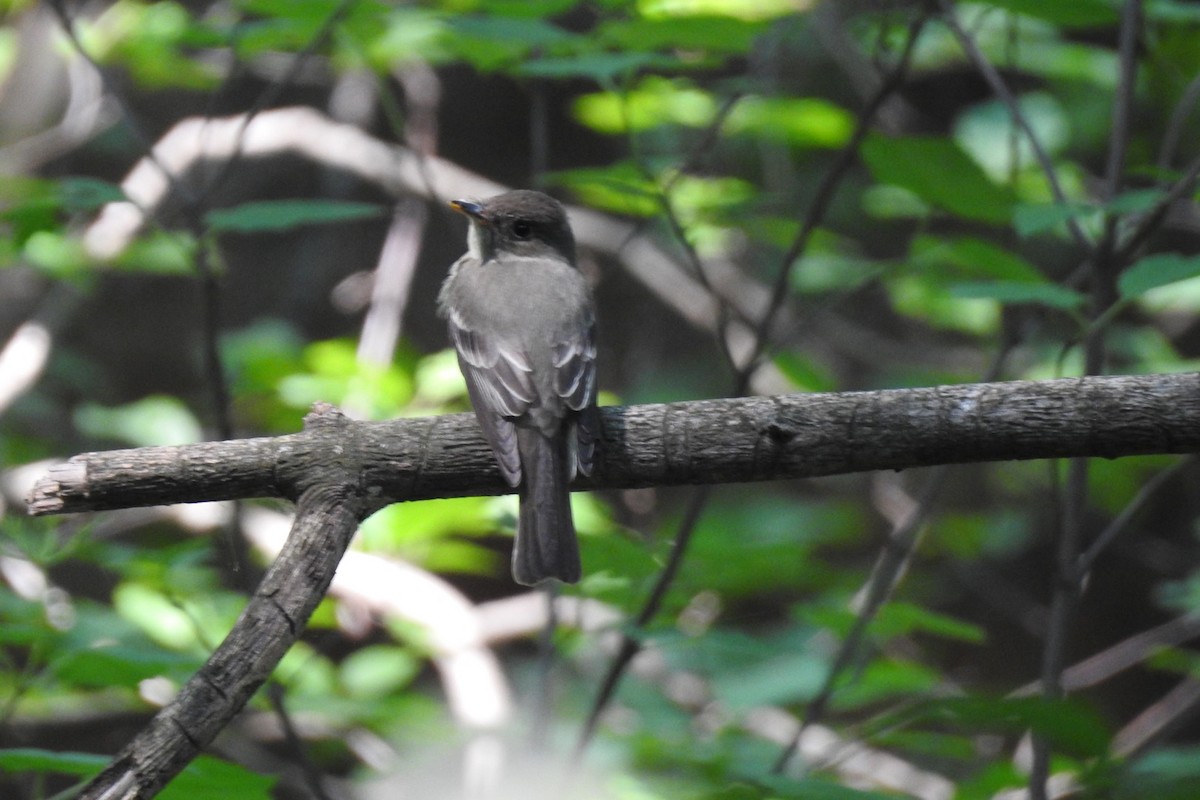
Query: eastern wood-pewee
point(522, 321)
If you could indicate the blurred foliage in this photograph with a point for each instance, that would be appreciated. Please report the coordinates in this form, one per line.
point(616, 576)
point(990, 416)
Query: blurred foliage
point(944, 247)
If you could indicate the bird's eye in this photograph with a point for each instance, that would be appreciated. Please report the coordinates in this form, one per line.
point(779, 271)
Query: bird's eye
point(522, 229)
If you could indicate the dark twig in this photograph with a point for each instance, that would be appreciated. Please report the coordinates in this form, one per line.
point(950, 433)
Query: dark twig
point(127, 116)
point(1174, 133)
point(312, 777)
point(897, 552)
point(998, 86)
point(1150, 223)
point(1118, 141)
point(823, 197)
point(1104, 267)
point(1121, 522)
point(630, 643)
point(272, 93)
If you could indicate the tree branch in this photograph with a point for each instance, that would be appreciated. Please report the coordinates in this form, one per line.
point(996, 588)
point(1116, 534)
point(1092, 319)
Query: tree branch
point(326, 519)
point(698, 442)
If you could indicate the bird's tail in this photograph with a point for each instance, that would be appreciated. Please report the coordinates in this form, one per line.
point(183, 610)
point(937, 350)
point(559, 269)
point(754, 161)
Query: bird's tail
point(546, 545)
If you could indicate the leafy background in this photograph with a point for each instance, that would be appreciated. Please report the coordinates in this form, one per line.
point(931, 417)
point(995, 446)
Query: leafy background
point(918, 236)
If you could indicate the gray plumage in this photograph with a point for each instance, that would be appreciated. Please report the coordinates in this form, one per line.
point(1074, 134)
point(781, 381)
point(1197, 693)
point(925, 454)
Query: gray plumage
point(521, 317)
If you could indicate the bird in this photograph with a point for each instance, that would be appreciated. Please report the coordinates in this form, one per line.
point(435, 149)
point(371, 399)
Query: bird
point(523, 323)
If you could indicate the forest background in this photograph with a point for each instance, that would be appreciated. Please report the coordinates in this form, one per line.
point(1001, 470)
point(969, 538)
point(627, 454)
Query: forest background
point(213, 215)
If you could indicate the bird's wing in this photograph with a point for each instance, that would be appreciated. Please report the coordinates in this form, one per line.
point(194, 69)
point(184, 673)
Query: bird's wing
point(500, 383)
point(575, 382)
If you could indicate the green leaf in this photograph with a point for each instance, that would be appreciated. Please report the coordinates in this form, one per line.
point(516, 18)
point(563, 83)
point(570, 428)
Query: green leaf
point(1072, 13)
point(1014, 292)
point(898, 618)
point(1068, 724)
point(378, 670)
point(31, 759)
point(1163, 774)
point(816, 789)
point(621, 189)
point(155, 420)
point(975, 258)
point(1135, 201)
point(734, 9)
point(88, 194)
point(600, 67)
point(1029, 220)
point(209, 778)
point(124, 665)
point(1157, 270)
point(57, 254)
point(714, 33)
point(783, 679)
point(800, 121)
point(527, 33)
point(1173, 11)
point(803, 373)
point(653, 102)
point(282, 215)
point(939, 172)
point(528, 8)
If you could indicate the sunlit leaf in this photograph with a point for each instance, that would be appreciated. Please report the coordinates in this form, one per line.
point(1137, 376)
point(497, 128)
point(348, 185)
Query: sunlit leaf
point(738, 9)
point(621, 189)
point(653, 102)
point(378, 670)
point(154, 420)
point(800, 121)
point(209, 778)
point(29, 759)
point(1075, 13)
point(988, 132)
point(940, 173)
point(803, 373)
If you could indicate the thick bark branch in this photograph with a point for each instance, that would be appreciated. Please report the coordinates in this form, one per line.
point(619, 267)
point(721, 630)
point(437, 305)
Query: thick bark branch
point(326, 520)
point(700, 442)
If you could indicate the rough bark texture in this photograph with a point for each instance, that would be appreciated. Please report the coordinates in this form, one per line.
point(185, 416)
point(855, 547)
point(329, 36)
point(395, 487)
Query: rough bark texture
point(708, 441)
point(326, 519)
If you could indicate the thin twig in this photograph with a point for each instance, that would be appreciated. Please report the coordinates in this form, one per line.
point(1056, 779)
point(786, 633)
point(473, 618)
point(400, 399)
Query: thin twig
point(272, 92)
point(630, 645)
point(1175, 126)
point(1104, 266)
point(144, 143)
point(1118, 140)
point(823, 197)
point(996, 82)
point(1149, 223)
point(1083, 564)
point(312, 776)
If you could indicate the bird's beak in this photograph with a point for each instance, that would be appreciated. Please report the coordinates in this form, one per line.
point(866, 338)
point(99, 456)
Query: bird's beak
point(471, 209)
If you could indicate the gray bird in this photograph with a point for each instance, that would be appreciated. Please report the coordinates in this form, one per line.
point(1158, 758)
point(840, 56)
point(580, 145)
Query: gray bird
point(521, 317)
